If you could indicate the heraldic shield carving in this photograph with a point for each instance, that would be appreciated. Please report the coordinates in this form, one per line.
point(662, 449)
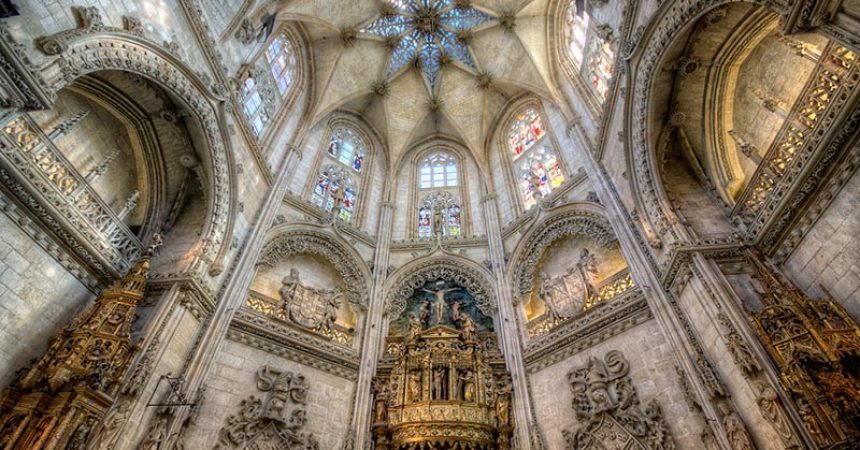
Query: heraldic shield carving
point(308, 307)
point(608, 410)
point(275, 421)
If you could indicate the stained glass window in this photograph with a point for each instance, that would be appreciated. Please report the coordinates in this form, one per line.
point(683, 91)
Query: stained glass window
point(526, 131)
point(338, 181)
point(441, 206)
point(252, 105)
point(282, 62)
point(536, 166)
point(438, 170)
point(425, 30)
point(591, 54)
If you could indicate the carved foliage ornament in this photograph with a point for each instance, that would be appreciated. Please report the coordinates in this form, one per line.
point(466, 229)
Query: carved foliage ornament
point(583, 223)
point(314, 243)
point(474, 282)
point(275, 421)
point(608, 410)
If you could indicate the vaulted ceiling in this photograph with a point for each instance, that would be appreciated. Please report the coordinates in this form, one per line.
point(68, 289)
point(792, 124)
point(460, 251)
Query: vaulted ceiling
point(363, 63)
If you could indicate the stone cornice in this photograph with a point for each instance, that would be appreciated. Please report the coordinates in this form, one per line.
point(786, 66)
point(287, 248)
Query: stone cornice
point(262, 333)
point(595, 326)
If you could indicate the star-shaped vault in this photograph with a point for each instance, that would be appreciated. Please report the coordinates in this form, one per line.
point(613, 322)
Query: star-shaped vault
point(427, 32)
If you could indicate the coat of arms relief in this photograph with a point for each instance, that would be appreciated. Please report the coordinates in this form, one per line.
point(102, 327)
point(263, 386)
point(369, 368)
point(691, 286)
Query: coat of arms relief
point(568, 294)
point(311, 308)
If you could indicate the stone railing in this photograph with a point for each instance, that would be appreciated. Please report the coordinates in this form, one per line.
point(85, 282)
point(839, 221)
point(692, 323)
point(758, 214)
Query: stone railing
point(274, 309)
point(612, 287)
point(43, 166)
point(799, 136)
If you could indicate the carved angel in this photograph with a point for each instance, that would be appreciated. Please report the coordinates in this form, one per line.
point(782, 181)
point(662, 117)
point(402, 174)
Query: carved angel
point(289, 285)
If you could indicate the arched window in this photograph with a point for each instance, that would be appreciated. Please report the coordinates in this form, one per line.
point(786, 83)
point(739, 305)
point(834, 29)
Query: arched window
point(589, 48)
point(338, 181)
point(267, 83)
point(439, 208)
point(536, 167)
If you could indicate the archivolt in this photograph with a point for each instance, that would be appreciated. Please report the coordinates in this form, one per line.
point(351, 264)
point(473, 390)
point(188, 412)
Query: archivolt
point(286, 242)
point(418, 273)
point(95, 48)
point(583, 219)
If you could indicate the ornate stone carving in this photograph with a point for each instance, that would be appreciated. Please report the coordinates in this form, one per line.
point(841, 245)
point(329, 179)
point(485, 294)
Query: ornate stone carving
point(607, 408)
point(275, 421)
point(433, 270)
point(320, 244)
point(579, 222)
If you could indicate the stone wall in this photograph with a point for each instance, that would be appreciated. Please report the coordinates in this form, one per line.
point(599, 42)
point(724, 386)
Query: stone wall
point(329, 403)
point(37, 298)
point(829, 255)
point(653, 373)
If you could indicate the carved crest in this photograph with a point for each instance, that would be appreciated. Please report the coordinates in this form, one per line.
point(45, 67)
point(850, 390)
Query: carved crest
point(274, 422)
point(608, 410)
point(306, 306)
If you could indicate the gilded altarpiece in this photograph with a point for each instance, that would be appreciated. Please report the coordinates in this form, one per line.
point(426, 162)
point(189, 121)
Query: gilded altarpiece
point(442, 383)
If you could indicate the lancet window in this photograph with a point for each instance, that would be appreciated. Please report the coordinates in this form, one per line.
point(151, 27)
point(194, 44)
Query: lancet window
point(267, 84)
point(338, 181)
point(439, 208)
point(589, 48)
point(536, 166)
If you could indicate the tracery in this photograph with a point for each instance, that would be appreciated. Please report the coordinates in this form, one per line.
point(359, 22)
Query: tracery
point(338, 181)
point(536, 166)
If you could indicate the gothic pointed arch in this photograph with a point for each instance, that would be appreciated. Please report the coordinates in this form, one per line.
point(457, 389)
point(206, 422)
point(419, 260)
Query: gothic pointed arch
point(582, 218)
point(293, 239)
point(474, 278)
point(96, 47)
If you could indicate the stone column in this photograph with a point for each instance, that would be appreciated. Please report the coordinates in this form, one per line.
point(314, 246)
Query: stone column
point(373, 329)
point(232, 296)
point(675, 327)
point(509, 336)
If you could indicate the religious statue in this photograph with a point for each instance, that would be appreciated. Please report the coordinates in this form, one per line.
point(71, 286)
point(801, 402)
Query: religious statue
point(157, 436)
point(439, 384)
point(414, 328)
point(424, 314)
point(414, 387)
point(155, 246)
point(337, 200)
point(768, 403)
point(380, 406)
point(736, 431)
point(459, 387)
point(438, 221)
point(469, 387)
point(503, 405)
point(588, 268)
point(107, 435)
point(439, 305)
point(468, 328)
point(455, 310)
point(289, 286)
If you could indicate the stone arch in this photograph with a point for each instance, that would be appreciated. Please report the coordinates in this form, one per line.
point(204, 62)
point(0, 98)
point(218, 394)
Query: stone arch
point(288, 240)
point(580, 218)
point(95, 48)
point(405, 280)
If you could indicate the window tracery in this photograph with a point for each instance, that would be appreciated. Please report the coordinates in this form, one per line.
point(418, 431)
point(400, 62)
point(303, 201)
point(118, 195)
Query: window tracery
point(589, 49)
point(439, 211)
point(336, 187)
point(536, 167)
point(267, 84)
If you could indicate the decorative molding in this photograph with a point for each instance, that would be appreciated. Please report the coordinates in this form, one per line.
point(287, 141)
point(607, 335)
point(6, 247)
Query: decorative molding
point(569, 223)
point(20, 81)
point(413, 276)
point(347, 264)
point(598, 325)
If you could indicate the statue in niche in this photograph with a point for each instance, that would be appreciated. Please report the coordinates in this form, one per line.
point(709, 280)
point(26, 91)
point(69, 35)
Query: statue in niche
point(438, 221)
point(414, 386)
point(439, 384)
point(503, 404)
point(380, 404)
point(736, 431)
point(439, 304)
point(469, 387)
point(157, 435)
point(459, 386)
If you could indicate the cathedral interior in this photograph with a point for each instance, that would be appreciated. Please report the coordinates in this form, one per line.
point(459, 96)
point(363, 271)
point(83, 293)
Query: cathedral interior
point(429, 224)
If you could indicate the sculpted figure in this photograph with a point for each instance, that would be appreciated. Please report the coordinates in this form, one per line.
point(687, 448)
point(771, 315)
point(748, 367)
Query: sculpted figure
point(330, 314)
point(768, 402)
point(414, 329)
point(438, 220)
point(439, 384)
point(289, 286)
point(736, 431)
point(414, 387)
point(455, 310)
point(107, 435)
point(439, 305)
point(157, 435)
point(547, 293)
point(503, 405)
point(469, 388)
point(468, 328)
point(424, 314)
